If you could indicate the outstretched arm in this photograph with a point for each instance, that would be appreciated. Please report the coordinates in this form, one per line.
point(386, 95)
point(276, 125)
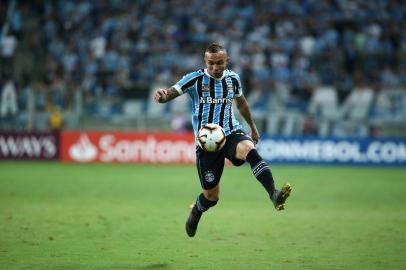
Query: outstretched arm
point(243, 108)
point(165, 95)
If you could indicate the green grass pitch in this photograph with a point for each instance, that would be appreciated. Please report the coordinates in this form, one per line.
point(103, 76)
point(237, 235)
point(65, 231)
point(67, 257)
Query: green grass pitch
point(72, 216)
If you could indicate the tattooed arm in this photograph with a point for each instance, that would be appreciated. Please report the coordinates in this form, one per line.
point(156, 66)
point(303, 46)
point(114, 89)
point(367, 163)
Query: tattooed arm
point(243, 108)
point(165, 95)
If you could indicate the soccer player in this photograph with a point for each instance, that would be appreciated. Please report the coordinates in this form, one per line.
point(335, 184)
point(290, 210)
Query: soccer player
point(213, 91)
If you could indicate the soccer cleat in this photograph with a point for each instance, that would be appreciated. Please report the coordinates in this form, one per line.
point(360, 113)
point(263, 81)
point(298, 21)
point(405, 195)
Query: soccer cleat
point(192, 222)
point(279, 197)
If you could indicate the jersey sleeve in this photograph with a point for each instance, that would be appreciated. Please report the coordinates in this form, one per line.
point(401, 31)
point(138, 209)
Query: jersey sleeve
point(187, 82)
point(237, 87)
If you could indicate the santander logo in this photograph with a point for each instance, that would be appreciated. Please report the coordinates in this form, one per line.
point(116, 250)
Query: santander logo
point(83, 150)
point(128, 147)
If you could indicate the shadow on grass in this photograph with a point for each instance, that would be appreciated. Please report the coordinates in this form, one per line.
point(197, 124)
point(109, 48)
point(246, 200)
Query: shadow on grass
point(155, 266)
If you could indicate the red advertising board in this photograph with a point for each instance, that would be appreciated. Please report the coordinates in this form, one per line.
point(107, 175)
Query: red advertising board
point(95, 146)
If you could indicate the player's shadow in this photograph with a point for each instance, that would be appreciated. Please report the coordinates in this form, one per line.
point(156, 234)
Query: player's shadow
point(155, 266)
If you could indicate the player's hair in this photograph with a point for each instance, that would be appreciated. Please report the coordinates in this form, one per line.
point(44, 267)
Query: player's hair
point(215, 48)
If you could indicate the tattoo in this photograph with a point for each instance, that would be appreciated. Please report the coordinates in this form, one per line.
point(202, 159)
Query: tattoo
point(171, 94)
point(243, 108)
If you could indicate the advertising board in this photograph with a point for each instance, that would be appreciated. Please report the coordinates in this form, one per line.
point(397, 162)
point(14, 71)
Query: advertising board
point(94, 146)
point(333, 151)
point(32, 145)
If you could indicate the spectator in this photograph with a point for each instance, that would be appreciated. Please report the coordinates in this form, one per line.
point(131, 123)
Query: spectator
point(355, 110)
point(9, 100)
point(8, 45)
point(55, 120)
point(324, 107)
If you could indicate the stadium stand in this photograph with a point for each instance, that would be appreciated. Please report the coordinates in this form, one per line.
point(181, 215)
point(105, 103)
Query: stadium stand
point(96, 62)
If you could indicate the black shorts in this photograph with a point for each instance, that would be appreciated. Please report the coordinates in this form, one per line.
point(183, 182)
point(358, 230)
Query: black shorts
point(210, 165)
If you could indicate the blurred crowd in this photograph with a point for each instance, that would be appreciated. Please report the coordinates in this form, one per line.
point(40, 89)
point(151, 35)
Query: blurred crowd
point(330, 68)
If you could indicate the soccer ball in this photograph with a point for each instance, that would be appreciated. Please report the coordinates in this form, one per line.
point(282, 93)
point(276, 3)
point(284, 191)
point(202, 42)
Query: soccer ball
point(211, 137)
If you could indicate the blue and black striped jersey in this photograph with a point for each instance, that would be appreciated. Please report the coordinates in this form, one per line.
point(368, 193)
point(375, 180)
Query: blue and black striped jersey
point(212, 99)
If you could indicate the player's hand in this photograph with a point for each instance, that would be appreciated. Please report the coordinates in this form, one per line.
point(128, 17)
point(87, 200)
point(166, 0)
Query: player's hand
point(159, 95)
point(255, 135)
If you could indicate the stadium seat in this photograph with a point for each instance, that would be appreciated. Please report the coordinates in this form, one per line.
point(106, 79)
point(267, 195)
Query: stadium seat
point(133, 108)
point(324, 106)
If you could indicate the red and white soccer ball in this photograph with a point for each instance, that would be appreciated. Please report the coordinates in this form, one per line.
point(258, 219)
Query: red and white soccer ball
point(211, 137)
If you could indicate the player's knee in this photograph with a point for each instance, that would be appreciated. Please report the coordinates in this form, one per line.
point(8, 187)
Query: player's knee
point(212, 194)
point(243, 148)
